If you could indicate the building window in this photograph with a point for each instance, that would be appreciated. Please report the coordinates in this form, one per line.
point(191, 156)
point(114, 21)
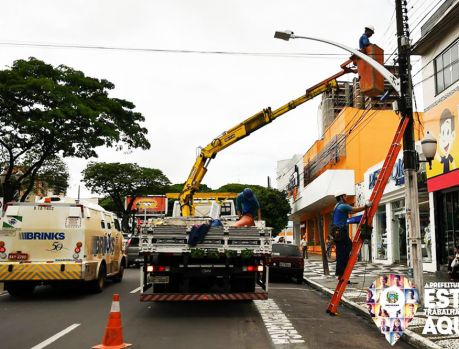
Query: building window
point(447, 68)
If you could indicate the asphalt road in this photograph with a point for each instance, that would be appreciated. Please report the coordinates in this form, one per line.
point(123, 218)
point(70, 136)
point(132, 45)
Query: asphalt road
point(294, 317)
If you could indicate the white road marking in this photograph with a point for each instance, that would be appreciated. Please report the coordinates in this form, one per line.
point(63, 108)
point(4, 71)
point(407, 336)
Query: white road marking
point(279, 327)
point(4, 293)
point(55, 337)
point(136, 290)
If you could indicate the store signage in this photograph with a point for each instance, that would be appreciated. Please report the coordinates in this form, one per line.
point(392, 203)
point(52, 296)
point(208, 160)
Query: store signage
point(396, 179)
point(397, 175)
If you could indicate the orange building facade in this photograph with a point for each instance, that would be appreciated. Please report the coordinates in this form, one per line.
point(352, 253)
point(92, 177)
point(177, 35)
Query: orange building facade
point(346, 160)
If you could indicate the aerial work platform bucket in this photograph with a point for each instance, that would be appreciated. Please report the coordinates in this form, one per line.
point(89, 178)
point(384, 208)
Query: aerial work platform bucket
point(371, 82)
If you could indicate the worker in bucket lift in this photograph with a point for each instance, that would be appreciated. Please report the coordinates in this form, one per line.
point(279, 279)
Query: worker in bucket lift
point(365, 38)
point(247, 208)
point(340, 231)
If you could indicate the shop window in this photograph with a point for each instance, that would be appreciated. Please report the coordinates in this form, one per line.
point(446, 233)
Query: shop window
point(447, 68)
point(381, 233)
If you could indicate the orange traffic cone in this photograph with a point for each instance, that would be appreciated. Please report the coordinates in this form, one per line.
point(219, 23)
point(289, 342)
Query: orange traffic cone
point(113, 336)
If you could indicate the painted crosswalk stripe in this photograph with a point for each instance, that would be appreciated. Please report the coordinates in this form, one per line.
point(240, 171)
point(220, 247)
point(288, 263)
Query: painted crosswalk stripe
point(136, 290)
point(55, 337)
point(279, 327)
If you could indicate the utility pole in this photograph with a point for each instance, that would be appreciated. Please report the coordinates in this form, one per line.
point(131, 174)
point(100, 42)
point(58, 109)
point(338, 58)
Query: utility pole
point(413, 229)
point(323, 248)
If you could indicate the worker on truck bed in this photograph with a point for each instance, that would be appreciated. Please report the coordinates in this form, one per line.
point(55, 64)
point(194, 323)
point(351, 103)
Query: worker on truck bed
point(365, 38)
point(247, 207)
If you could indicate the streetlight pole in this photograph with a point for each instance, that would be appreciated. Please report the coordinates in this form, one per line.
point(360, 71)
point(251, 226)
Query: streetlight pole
point(413, 228)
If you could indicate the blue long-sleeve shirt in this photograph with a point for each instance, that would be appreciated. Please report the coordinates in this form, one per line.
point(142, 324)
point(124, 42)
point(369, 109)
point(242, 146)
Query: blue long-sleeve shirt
point(364, 41)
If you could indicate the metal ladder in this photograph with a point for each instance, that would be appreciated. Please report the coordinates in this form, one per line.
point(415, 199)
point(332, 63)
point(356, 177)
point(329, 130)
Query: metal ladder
point(367, 218)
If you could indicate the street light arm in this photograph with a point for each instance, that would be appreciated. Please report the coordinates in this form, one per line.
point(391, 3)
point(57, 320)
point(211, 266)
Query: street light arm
point(394, 81)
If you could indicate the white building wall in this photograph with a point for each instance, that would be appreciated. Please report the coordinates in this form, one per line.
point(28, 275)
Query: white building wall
point(428, 73)
point(285, 169)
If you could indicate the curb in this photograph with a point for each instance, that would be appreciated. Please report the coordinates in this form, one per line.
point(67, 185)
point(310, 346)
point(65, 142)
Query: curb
point(409, 337)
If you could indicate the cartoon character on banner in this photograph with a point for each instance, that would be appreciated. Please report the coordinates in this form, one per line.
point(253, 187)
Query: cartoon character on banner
point(446, 140)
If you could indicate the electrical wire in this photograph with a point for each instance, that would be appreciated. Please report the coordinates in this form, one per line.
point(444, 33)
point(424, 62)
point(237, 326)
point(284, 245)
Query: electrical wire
point(179, 51)
point(422, 17)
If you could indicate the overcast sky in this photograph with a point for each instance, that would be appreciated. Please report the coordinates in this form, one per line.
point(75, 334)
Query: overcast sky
point(189, 99)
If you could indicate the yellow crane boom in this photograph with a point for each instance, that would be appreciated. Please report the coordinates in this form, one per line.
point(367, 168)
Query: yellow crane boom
point(243, 130)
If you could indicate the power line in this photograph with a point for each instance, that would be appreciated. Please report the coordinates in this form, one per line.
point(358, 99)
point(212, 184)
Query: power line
point(422, 16)
point(179, 51)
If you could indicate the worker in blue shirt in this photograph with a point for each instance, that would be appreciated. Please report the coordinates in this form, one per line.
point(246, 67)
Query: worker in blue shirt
point(344, 244)
point(247, 207)
point(365, 38)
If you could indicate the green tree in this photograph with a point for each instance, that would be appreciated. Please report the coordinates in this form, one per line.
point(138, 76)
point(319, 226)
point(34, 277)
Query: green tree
point(53, 175)
point(46, 110)
point(107, 203)
point(121, 180)
point(274, 204)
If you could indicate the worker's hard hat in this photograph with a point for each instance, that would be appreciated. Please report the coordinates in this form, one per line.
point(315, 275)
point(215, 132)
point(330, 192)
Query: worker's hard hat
point(248, 193)
point(339, 193)
point(370, 27)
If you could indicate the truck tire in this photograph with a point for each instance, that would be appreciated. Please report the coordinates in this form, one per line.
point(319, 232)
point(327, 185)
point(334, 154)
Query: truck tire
point(97, 285)
point(299, 278)
point(119, 276)
point(20, 289)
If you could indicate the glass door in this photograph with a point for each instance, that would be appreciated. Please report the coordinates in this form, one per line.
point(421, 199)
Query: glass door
point(381, 233)
point(399, 231)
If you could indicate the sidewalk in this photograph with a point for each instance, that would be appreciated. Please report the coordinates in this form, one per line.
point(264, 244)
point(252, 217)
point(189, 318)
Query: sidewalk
point(363, 275)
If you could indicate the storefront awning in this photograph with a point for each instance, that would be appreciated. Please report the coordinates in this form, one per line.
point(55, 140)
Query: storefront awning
point(320, 193)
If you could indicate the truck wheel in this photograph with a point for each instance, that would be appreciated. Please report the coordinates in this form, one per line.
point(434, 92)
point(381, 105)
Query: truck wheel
point(299, 278)
point(20, 289)
point(119, 276)
point(96, 286)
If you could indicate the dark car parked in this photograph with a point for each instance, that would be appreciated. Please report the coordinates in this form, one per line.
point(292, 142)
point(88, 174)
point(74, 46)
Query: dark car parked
point(132, 251)
point(287, 261)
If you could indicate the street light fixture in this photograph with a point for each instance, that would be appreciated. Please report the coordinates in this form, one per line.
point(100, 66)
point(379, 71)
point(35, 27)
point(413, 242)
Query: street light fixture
point(285, 35)
point(429, 148)
point(391, 78)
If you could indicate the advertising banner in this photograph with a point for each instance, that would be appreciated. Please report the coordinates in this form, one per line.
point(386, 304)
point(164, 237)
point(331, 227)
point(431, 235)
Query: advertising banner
point(443, 123)
point(149, 204)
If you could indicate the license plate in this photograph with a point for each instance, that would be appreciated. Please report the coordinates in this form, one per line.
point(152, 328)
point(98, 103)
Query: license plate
point(18, 256)
point(160, 279)
point(285, 265)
